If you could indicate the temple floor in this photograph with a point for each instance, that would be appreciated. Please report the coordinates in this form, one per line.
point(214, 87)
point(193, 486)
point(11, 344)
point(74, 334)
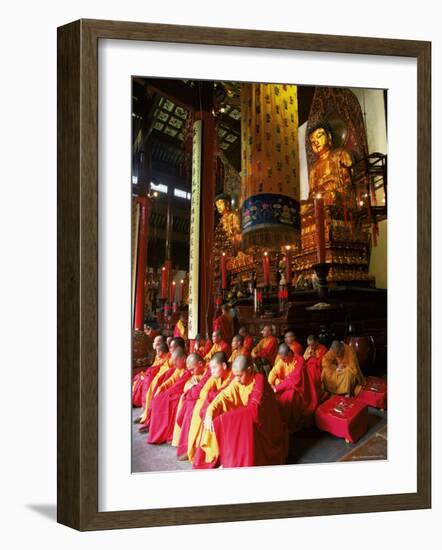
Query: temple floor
point(306, 447)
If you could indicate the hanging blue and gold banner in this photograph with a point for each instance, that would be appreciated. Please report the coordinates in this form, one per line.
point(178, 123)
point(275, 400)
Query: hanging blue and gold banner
point(270, 165)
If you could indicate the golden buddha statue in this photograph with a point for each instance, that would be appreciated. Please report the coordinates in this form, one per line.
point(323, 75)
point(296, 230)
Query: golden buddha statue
point(229, 221)
point(329, 175)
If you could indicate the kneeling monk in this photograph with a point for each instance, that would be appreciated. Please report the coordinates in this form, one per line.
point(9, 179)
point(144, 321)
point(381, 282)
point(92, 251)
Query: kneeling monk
point(167, 395)
point(238, 348)
point(192, 389)
point(221, 376)
point(152, 375)
point(293, 389)
point(340, 370)
point(248, 338)
point(292, 342)
point(267, 348)
point(218, 345)
point(165, 372)
point(313, 356)
point(246, 421)
point(139, 380)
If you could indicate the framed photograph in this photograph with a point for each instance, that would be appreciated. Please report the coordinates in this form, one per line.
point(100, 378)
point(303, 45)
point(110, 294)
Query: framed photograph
point(243, 275)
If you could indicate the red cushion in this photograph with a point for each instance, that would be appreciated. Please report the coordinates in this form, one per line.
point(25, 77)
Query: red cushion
point(374, 393)
point(343, 417)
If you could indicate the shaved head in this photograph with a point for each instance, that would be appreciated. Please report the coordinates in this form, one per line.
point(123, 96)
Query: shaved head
point(240, 364)
point(194, 359)
point(179, 359)
point(176, 343)
point(178, 353)
point(219, 366)
point(237, 341)
point(195, 364)
point(337, 347)
point(284, 350)
point(267, 331)
point(242, 370)
point(162, 347)
point(312, 339)
point(219, 357)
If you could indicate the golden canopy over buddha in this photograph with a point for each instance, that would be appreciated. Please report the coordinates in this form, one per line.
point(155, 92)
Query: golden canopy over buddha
point(329, 175)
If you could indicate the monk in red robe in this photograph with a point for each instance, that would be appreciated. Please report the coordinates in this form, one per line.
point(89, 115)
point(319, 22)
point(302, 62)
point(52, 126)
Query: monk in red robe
point(246, 422)
point(206, 345)
point(267, 348)
point(238, 348)
point(180, 329)
point(165, 371)
point(137, 380)
point(313, 356)
point(248, 339)
point(199, 373)
point(186, 407)
point(224, 323)
point(294, 345)
point(220, 377)
point(294, 389)
point(165, 401)
point(218, 344)
point(196, 345)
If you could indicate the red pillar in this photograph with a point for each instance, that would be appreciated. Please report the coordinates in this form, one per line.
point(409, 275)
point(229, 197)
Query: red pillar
point(141, 262)
point(208, 182)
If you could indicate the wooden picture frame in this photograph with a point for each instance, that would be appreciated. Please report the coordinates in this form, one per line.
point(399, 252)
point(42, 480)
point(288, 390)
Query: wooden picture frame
point(78, 274)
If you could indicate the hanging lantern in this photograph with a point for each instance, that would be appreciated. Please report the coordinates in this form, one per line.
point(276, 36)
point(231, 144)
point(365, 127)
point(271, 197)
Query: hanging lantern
point(270, 160)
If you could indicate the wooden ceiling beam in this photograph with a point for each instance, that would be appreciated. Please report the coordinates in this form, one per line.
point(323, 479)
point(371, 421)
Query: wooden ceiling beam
point(176, 90)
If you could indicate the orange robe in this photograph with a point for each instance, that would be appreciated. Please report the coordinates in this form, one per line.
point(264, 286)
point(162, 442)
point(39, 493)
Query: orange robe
point(281, 370)
point(180, 330)
point(143, 379)
point(209, 391)
point(164, 406)
point(296, 347)
point(193, 382)
point(313, 362)
point(236, 353)
point(224, 323)
point(267, 348)
point(164, 370)
point(248, 343)
point(206, 348)
point(345, 381)
point(138, 383)
point(295, 392)
point(248, 429)
point(221, 346)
